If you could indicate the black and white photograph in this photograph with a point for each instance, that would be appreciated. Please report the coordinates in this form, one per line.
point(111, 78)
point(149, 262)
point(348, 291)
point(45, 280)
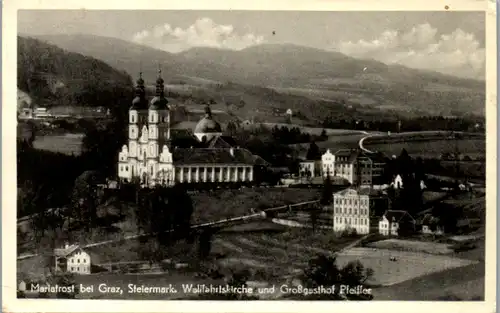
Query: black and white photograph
point(251, 155)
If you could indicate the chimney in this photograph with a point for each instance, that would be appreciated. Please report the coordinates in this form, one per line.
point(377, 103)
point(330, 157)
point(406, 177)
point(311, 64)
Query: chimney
point(231, 151)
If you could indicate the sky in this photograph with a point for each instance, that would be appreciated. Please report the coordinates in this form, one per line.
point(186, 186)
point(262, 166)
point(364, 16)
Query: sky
point(448, 42)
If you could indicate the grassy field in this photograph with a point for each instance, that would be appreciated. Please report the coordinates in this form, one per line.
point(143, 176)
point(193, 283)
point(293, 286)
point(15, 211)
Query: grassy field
point(220, 204)
point(471, 147)
point(67, 143)
point(414, 246)
point(408, 265)
point(466, 283)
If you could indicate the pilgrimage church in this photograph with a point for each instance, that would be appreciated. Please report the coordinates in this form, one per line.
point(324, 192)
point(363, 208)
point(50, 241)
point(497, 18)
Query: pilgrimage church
point(151, 156)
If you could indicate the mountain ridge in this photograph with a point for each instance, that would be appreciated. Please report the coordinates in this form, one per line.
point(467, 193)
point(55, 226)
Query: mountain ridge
point(288, 67)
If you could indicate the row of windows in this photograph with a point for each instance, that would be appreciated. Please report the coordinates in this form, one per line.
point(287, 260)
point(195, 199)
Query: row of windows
point(349, 211)
point(84, 269)
point(352, 221)
point(350, 201)
point(152, 119)
point(78, 260)
point(386, 225)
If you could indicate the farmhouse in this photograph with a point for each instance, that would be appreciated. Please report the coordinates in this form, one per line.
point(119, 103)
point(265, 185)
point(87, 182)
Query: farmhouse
point(395, 223)
point(72, 259)
point(431, 225)
point(309, 168)
point(152, 157)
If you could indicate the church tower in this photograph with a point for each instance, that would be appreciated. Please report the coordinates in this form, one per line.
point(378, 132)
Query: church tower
point(159, 132)
point(137, 120)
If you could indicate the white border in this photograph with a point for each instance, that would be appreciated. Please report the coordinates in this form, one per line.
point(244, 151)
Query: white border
point(9, 46)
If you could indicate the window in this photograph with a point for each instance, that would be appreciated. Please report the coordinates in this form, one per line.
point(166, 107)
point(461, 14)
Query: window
point(355, 211)
point(72, 260)
point(72, 268)
point(78, 260)
point(84, 260)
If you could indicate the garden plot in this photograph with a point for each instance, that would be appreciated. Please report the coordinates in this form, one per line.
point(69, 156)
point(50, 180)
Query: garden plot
point(412, 245)
point(407, 265)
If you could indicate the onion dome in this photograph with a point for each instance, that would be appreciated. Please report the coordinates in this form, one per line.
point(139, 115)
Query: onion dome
point(207, 124)
point(139, 102)
point(159, 102)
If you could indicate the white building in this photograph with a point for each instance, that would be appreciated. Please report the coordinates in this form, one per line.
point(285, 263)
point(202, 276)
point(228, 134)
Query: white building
point(393, 221)
point(328, 163)
point(150, 156)
point(351, 211)
point(72, 259)
point(398, 182)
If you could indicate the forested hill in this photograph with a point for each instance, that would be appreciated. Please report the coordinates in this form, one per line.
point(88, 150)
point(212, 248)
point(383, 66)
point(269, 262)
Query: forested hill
point(52, 76)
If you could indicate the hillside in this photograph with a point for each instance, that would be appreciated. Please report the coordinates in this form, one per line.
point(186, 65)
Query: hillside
point(289, 70)
point(50, 76)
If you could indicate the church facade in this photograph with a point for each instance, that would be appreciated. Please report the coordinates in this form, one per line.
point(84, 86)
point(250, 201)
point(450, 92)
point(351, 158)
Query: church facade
point(151, 157)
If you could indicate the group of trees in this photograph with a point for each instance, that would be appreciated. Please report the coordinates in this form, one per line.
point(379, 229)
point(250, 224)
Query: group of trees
point(425, 123)
point(324, 271)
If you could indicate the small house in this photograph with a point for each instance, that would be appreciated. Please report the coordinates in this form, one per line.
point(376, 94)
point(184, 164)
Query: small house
point(431, 225)
point(398, 182)
point(396, 222)
point(72, 259)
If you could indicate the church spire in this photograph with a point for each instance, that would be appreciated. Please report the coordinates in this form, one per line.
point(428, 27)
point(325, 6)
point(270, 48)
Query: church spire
point(160, 84)
point(139, 89)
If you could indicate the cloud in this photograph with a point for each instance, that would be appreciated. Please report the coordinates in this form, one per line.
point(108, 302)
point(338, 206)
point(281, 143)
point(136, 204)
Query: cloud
point(203, 33)
point(458, 53)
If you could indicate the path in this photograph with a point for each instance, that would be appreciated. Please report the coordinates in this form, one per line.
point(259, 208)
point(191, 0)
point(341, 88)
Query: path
point(242, 218)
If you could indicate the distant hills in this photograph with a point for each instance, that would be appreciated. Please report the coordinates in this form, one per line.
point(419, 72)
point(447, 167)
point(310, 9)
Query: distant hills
point(51, 76)
point(267, 77)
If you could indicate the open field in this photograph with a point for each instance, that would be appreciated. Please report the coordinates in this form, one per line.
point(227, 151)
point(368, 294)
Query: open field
point(67, 143)
point(314, 130)
point(408, 265)
point(433, 148)
point(466, 283)
point(414, 246)
point(220, 204)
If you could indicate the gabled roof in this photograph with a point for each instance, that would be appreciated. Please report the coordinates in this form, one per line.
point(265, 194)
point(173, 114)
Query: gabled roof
point(212, 156)
point(351, 154)
point(396, 215)
point(221, 142)
point(64, 252)
point(429, 219)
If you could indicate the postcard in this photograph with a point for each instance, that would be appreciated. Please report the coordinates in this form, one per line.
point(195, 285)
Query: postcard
point(233, 156)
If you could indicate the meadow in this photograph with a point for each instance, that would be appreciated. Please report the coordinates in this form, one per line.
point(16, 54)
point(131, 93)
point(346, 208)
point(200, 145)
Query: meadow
point(65, 143)
point(408, 265)
point(473, 148)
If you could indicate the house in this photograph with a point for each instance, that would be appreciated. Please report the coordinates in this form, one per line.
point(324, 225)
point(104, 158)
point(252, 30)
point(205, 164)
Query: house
point(431, 225)
point(351, 210)
point(354, 165)
point(72, 259)
point(396, 222)
point(310, 168)
point(328, 163)
point(397, 183)
point(306, 168)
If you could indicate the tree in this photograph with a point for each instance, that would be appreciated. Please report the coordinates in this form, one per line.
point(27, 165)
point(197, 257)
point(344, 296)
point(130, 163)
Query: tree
point(66, 280)
point(313, 215)
point(327, 193)
point(323, 134)
point(324, 271)
point(205, 243)
point(313, 152)
point(84, 199)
